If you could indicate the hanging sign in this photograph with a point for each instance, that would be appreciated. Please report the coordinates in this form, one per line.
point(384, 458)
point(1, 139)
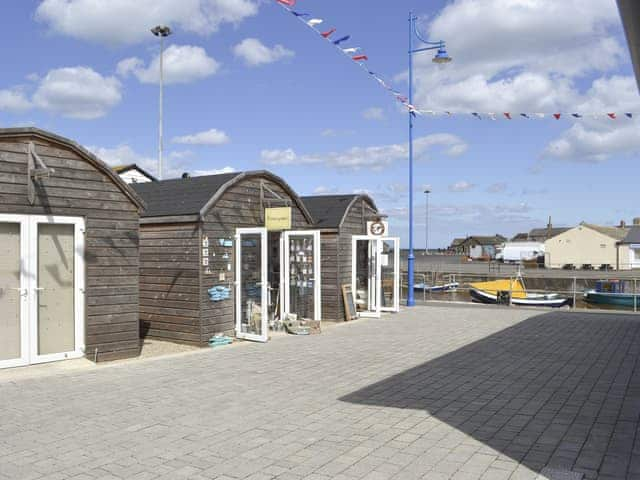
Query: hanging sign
point(378, 228)
point(277, 218)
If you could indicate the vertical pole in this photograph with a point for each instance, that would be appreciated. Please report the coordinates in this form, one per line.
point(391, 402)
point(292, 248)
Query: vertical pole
point(410, 258)
point(160, 109)
point(426, 224)
point(635, 298)
point(575, 288)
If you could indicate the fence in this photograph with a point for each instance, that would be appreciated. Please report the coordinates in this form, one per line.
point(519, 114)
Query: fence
point(570, 287)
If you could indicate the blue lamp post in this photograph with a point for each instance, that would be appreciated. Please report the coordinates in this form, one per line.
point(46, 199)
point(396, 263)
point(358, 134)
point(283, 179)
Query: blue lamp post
point(441, 57)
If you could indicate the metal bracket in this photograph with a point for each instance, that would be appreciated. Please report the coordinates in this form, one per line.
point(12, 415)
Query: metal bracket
point(36, 169)
point(278, 198)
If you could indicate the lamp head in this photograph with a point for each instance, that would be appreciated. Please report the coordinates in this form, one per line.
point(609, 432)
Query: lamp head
point(442, 56)
point(161, 31)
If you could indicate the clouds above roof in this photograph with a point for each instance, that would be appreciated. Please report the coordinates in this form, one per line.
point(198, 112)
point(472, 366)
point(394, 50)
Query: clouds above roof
point(254, 53)
point(126, 22)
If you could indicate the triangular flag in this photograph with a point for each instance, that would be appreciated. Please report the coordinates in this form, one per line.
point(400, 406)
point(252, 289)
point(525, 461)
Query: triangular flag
point(342, 39)
point(360, 58)
point(539, 115)
point(314, 21)
point(402, 98)
point(524, 115)
point(576, 115)
point(507, 115)
point(298, 14)
point(288, 3)
point(630, 115)
point(612, 116)
point(492, 115)
point(448, 113)
point(557, 116)
point(350, 51)
point(328, 33)
point(477, 115)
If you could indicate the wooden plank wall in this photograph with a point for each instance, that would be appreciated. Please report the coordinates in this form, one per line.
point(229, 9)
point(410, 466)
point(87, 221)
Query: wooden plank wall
point(239, 207)
point(331, 290)
point(79, 189)
point(355, 223)
point(170, 282)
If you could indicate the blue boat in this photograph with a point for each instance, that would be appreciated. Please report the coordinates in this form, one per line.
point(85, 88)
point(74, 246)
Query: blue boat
point(611, 292)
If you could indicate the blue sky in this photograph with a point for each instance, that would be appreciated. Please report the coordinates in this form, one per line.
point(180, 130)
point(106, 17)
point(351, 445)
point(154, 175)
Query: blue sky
point(252, 88)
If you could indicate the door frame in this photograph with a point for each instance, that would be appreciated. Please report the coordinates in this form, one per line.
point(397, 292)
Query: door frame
point(396, 272)
point(373, 245)
point(25, 322)
point(317, 271)
point(29, 287)
point(264, 336)
point(79, 286)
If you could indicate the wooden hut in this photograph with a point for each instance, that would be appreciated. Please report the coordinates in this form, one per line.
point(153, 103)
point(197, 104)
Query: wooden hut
point(340, 218)
point(68, 253)
point(229, 253)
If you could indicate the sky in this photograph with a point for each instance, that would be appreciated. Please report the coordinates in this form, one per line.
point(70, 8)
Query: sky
point(249, 87)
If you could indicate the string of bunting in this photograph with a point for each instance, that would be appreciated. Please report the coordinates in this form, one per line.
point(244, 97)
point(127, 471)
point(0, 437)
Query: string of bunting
point(359, 58)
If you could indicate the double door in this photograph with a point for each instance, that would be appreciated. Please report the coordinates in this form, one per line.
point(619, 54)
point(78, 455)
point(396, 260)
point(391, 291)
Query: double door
point(299, 279)
point(375, 274)
point(41, 289)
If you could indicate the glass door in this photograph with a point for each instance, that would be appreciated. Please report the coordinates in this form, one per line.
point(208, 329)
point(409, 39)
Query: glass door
point(57, 300)
point(251, 284)
point(390, 274)
point(14, 325)
point(365, 275)
point(301, 274)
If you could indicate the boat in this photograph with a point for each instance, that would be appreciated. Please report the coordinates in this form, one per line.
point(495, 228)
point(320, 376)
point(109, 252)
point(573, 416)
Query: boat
point(611, 292)
point(436, 288)
point(497, 292)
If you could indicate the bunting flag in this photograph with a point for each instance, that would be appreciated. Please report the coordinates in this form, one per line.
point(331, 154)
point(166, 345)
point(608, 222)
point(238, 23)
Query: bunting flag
point(341, 40)
point(361, 59)
point(328, 33)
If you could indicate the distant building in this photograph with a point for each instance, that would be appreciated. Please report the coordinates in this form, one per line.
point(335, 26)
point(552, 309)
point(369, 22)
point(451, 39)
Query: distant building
point(629, 248)
point(132, 173)
point(588, 245)
point(544, 234)
point(481, 247)
point(456, 246)
point(520, 237)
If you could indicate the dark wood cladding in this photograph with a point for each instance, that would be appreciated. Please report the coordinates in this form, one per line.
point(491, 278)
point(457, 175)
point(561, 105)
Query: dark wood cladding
point(239, 207)
point(174, 299)
point(354, 223)
point(80, 188)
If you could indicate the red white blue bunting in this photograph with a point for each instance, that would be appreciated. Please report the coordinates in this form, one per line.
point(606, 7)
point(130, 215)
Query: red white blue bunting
point(361, 59)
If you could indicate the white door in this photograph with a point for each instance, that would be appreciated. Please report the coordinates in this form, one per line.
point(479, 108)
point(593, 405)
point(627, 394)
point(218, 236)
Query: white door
point(390, 274)
point(300, 280)
point(365, 275)
point(251, 284)
point(41, 289)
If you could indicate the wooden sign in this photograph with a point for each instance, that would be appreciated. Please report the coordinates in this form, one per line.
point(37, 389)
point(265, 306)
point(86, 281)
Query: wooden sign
point(349, 303)
point(277, 218)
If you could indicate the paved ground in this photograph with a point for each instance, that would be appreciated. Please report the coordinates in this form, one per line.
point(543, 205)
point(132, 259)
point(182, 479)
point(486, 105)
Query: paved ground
point(462, 393)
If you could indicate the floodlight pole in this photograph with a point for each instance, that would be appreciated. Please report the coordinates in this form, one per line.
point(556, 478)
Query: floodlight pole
point(441, 57)
point(161, 31)
point(426, 225)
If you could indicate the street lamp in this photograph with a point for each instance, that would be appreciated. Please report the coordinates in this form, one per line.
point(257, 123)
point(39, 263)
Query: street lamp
point(426, 225)
point(441, 57)
point(160, 31)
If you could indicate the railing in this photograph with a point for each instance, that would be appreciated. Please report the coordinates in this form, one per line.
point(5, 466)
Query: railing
point(571, 287)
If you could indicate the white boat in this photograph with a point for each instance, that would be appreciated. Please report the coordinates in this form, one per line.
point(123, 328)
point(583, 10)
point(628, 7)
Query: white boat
point(498, 291)
point(436, 288)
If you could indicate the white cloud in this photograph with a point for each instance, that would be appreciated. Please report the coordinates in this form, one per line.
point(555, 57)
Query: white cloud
point(125, 22)
point(254, 53)
point(373, 113)
point(181, 64)
point(208, 137)
point(77, 92)
point(461, 186)
point(322, 190)
point(14, 100)
point(214, 171)
point(375, 158)
point(124, 155)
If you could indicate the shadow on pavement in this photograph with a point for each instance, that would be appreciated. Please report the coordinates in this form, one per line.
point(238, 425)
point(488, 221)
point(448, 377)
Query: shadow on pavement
point(559, 389)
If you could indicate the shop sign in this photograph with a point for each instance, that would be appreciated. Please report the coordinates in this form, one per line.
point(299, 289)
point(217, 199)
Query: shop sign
point(378, 228)
point(277, 218)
